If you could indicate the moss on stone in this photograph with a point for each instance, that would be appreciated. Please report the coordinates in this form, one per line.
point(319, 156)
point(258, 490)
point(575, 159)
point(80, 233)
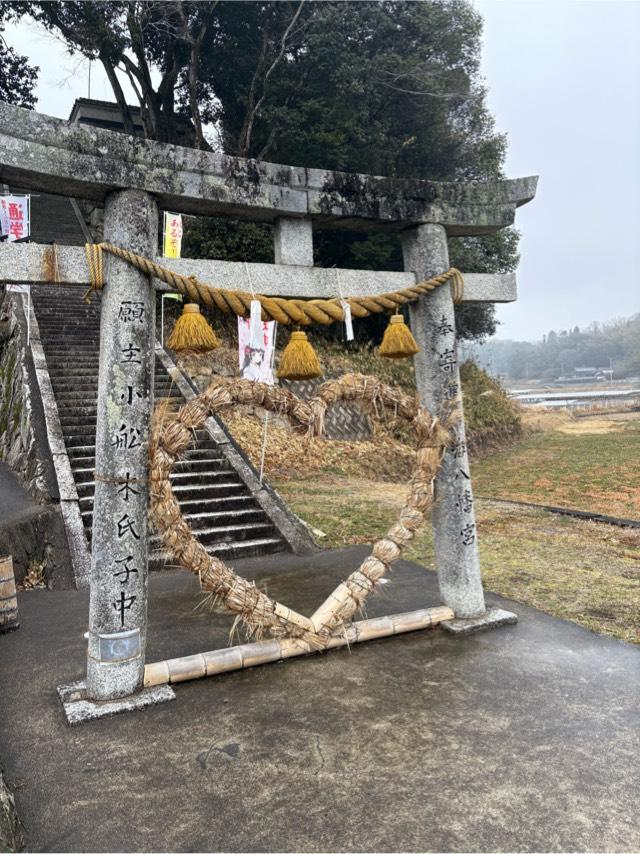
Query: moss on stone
point(16, 414)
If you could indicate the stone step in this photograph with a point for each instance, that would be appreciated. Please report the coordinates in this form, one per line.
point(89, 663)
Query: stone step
point(84, 456)
point(86, 428)
point(200, 521)
point(49, 318)
point(201, 464)
point(226, 533)
point(88, 355)
point(204, 446)
point(204, 521)
point(88, 339)
point(80, 415)
point(81, 441)
point(214, 471)
point(91, 357)
point(78, 325)
point(225, 551)
point(189, 506)
point(85, 374)
point(73, 370)
point(69, 421)
point(202, 491)
point(51, 311)
point(183, 478)
point(89, 396)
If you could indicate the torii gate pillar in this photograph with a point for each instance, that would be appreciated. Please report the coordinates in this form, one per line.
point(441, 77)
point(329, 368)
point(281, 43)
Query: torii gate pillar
point(438, 381)
point(119, 542)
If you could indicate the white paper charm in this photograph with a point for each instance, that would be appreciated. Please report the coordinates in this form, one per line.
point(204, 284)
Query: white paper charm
point(255, 324)
point(348, 322)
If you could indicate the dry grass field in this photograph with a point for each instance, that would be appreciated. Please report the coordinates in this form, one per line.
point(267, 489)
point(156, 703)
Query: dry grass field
point(577, 570)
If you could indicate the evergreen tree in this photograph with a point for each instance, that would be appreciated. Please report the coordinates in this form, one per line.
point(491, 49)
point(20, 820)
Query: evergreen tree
point(388, 88)
point(17, 78)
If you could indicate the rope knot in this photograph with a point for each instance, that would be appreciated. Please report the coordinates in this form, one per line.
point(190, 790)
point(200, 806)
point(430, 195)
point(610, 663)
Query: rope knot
point(457, 285)
point(93, 252)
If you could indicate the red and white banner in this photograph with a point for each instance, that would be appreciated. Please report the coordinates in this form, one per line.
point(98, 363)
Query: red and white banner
point(14, 217)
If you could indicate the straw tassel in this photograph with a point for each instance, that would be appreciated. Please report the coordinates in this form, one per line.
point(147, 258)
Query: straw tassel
point(192, 332)
point(398, 342)
point(299, 360)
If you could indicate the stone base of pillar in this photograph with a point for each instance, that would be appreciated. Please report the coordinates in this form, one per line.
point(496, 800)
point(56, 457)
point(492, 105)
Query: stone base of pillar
point(493, 618)
point(78, 708)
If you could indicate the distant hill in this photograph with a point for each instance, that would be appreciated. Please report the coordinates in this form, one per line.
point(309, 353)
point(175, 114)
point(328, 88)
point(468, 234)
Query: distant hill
point(614, 345)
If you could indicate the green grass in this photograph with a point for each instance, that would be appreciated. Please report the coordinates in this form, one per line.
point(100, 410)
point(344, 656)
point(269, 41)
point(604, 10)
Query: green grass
point(597, 471)
point(580, 571)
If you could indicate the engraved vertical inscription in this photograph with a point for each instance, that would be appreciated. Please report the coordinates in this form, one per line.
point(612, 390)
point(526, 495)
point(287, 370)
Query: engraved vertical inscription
point(118, 605)
point(438, 380)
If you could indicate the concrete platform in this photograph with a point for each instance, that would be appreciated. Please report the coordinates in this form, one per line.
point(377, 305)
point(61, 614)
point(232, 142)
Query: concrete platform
point(524, 738)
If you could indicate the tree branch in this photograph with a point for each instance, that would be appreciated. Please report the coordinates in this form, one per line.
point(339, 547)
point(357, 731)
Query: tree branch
point(127, 119)
point(254, 112)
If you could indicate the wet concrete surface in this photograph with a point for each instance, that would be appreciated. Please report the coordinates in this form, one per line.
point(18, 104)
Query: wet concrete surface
point(15, 501)
point(521, 739)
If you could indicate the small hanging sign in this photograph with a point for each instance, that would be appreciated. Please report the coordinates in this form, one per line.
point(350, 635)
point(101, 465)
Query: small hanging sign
point(255, 323)
point(172, 236)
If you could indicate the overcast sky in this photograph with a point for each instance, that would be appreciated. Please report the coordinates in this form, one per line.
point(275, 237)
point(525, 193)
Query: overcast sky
point(564, 84)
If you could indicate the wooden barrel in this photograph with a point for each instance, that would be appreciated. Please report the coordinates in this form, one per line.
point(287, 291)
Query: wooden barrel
point(8, 598)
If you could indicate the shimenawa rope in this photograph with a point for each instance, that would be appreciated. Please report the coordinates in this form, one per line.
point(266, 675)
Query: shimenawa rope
point(298, 312)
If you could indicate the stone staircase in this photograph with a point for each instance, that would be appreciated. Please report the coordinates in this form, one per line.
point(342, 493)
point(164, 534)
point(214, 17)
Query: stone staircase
point(221, 510)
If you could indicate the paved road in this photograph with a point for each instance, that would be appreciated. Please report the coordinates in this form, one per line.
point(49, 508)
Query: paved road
point(522, 739)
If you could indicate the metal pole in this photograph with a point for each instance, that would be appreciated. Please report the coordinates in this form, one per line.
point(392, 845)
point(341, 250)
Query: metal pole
point(162, 321)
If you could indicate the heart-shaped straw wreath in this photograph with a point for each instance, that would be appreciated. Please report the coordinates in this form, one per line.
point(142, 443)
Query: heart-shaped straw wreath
point(258, 612)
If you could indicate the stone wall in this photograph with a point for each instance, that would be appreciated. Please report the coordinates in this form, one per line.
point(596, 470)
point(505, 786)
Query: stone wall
point(23, 445)
point(11, 830)
point(33, 536)
point(36, 540)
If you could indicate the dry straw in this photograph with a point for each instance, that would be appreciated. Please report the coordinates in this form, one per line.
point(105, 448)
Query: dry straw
point(192, 332)
point(258, 613)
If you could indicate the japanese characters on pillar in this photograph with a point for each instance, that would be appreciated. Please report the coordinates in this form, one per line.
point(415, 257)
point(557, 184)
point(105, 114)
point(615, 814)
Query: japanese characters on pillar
point(438, 381)
point(130, 436)
point(445, 352)
point(118, 605)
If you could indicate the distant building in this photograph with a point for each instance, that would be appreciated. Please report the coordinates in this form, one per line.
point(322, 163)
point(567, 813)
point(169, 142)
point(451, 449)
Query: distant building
point(58, 219)
point(589, 373)
point(108, 115)
point(103, 114)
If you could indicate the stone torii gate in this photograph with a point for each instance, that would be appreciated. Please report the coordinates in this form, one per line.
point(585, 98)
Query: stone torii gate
point(134, 179)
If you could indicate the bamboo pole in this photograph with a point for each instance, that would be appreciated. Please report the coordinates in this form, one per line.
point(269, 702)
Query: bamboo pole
point(263, 652)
